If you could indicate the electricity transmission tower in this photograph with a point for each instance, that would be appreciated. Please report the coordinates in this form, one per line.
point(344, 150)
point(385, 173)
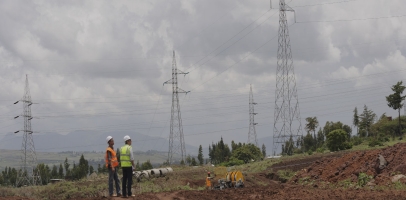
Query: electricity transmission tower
point(287, 122)
point(176, 138)
point(252, 134)
point(28, 174)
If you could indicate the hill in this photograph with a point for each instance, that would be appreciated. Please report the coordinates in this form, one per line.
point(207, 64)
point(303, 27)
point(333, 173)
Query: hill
point(89, 141)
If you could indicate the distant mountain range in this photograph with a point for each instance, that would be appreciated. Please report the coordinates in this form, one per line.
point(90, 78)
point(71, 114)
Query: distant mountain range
point(89, 141)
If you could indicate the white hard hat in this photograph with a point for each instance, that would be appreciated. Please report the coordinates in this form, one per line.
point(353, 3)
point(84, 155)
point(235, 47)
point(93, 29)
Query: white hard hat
point(126, 138)
point(108, 138)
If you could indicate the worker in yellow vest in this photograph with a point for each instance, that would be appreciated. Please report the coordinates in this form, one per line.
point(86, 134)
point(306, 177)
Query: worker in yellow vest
point(112, 164)
point(127, 165)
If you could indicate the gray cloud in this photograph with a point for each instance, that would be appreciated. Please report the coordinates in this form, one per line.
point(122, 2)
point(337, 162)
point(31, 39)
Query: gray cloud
point(100, 65)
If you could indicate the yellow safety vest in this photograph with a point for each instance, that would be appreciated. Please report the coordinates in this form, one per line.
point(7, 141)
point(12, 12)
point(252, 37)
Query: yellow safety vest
point(125, 156)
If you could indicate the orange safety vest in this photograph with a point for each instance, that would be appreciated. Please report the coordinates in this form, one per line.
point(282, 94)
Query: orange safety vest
point(208, 181)
point(114, 162)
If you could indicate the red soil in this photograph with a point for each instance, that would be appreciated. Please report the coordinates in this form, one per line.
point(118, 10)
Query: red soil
point(350, 165)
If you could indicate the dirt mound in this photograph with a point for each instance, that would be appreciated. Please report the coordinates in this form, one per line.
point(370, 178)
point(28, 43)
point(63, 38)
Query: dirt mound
point(297, 164)
point(283, 191)
point(350, 165)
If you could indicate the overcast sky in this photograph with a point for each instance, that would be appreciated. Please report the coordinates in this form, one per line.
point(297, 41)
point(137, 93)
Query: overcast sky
point(100, 65)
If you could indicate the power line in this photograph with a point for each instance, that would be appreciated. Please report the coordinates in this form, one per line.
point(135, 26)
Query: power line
point(347, 20)
point(231, 39)
point(322, 4)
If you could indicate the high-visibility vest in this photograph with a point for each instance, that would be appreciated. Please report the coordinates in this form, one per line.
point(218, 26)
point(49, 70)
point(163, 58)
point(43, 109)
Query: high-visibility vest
point(113, 161)
point(125, 156)
point(208, 182)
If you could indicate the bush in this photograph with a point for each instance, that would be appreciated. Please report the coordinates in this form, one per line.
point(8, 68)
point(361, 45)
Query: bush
point(320, 150)
point(337, 140)
point(373, 142)
point(247, 153)
point(285, 175)
point(310, 152)
point(383, 137)
point(356, 140)
point(363, 179)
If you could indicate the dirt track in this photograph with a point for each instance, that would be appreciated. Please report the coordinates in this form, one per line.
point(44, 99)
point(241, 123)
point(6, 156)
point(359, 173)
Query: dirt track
point(277, 191)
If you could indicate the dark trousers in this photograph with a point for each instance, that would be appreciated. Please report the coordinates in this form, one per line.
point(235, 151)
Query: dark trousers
point(113, 177)
point(127, 180)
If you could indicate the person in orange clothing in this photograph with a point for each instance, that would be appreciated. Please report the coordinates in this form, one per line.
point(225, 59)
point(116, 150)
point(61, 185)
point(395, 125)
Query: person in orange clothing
point(208, 181)
point(112, 165)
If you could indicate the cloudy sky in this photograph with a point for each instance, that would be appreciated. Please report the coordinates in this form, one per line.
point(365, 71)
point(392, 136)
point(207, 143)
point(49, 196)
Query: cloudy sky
point(100, 65)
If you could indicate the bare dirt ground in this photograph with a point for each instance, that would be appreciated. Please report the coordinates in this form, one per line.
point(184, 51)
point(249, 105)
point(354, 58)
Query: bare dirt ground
point(350, 165)
point(298, 164)
point(274, 191)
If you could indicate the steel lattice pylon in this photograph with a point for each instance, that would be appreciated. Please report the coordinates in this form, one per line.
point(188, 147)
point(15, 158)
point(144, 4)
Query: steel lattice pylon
point(252, 134)
point(28, 174)
point(176, 138)
point(287, 121)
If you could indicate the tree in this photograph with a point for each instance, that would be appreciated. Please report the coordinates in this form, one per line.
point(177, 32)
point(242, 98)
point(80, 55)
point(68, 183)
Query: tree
point(355, 120)
point(44, 172)
point(54, 172)
point(367, 119)
point(193, 162)
point(308, 143)
point(60, 171)
point(395, 100)
point(66, 163)
point(219, 152)
point(83, 167)
point(312, 124)
point(247, 153)
point(147, 165)
point(200, 155)
point(91, 169)
point(337, 140)
point(263, 150)
point(320, 138)
point(188, 159)
point(287, 148)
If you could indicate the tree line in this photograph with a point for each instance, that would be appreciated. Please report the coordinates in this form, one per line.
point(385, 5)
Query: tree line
point(239, 153)
point(337, 136)
point(8, 176)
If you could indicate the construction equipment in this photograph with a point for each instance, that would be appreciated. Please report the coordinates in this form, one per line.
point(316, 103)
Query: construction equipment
point(232, 179)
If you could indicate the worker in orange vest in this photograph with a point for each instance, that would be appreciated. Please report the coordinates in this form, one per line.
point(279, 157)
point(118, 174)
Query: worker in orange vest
point(208, 181)
point(112, 166)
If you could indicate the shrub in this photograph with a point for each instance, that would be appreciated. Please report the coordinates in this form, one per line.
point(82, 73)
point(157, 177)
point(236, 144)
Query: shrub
point(373, 142)
point(363, 179)
point(356, 140)
point(320, 150)
point(232, 162)
point(337, 140)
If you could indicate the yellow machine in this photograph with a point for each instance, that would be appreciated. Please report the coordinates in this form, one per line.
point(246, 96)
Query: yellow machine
point(228, 179)
point(234, 177)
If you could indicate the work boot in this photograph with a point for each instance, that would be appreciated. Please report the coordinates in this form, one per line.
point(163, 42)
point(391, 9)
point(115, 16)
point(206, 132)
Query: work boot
point(118, 195)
